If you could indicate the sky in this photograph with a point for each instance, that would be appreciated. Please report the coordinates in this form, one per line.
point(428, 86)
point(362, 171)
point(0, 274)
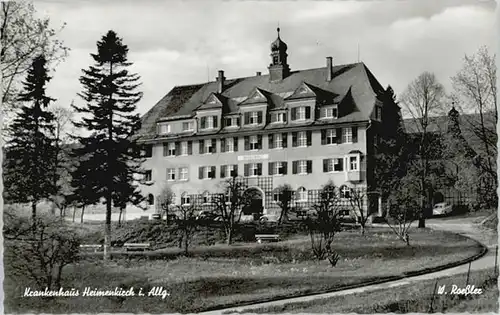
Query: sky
point(186, 42)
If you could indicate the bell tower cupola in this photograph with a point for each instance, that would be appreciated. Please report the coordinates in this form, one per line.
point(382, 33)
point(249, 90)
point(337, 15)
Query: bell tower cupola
point(278, 69)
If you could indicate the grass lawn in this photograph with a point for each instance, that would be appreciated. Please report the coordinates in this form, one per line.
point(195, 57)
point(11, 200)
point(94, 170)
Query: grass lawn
point(411, 298)
point(227, 275)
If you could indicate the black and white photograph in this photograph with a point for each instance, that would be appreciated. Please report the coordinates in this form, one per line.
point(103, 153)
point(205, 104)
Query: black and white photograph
point(260, 157)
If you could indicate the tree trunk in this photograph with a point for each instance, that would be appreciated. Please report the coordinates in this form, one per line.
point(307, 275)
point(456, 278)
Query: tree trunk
point(120, 217)
point(81, 216)
point(186, 242)
point(74, 213)
point(229, 235)
point(33, 211)
point(107, 229)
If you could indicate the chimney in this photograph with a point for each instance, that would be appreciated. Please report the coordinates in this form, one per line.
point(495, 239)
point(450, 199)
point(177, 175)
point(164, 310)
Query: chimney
point(220, 82)
point(329, 74)
point(258, 73)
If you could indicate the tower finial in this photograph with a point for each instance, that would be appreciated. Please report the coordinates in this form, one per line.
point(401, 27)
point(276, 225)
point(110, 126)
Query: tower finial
point(278, 29)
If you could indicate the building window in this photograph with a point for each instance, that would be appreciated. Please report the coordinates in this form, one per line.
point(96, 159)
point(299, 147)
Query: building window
point(278, 141)
point(187, 126)
point(164, 129)
point(329, 112)
point(301, 113)
point(301, 194)
point(302, 139)
point(253, 169)
point(254, 143)
point(353, 163)
point(229, 145)
point(208, 146)
point(333, 165)
point(228, 171)
point(345, 192)
point(206, 198)
point(148, 175)
point(147, 151)
point(151, 199)
point(277, 168)
point(346, 135)
point(232, 122)
point(169, 149)
point(208, 122)
point(170, 173)
point(302, 167)
point(331, 136)
point(278, 118)
point(184, 148)
point(185, 199)
point(277, 195)
point(183, 173)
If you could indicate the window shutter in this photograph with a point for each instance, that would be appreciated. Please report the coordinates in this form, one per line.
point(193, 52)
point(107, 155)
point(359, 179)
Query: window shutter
point(309, 166)
point(223, 145)
point(222, 171)
point(354, 134)
point(203, 122)
point(259, 142)
point(214, 145)
point(215, 119)
point(339, 135)
point(294, 167)
point(190, 147)
point(285, 140)
point(294, 113)
point(165, 149)
point(285, 167)
point(259, 169)
point(202, 146)
point(247, 143)
point(247, 118)
point(259, 117)
point(177, 148)
point(309, 138)
point(325, 165)
point(235, 142)
point(246, 166)
point(235, 170)
point(237, 121)
point(294, 139)
point(308, 112)
point(212, 172)
point(200, 172)
point(270, 168)
point(271, 141)
point(323, 136)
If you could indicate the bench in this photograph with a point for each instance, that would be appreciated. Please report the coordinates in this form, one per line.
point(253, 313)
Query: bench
point(136, 246)
point(267, 237)
point(90, 247)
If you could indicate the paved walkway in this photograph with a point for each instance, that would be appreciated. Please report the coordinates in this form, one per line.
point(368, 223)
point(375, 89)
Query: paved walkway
point(460, 226)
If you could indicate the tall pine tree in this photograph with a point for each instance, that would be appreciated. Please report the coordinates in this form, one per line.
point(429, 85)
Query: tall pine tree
point(110, 93)
point(29, 167)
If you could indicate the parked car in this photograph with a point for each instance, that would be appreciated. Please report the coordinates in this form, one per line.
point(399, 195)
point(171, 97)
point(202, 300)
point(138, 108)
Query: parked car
point(269, 218)
point(208, 216)
point(442, 208)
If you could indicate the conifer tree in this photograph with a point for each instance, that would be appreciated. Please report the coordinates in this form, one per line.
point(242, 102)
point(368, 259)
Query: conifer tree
point(110, 93)
point(29, 166)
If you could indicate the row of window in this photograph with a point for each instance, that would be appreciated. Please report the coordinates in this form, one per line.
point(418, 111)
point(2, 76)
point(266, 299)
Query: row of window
point(300, 195)
point(350, 163)
point(251, 143)
point(254, 118)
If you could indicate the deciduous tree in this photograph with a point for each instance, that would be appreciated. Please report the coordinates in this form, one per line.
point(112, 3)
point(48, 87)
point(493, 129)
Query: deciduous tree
point(422, 99)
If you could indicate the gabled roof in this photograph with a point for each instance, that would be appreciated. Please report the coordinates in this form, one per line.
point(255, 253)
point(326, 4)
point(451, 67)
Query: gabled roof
point(183, 100)
point(213, 101)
